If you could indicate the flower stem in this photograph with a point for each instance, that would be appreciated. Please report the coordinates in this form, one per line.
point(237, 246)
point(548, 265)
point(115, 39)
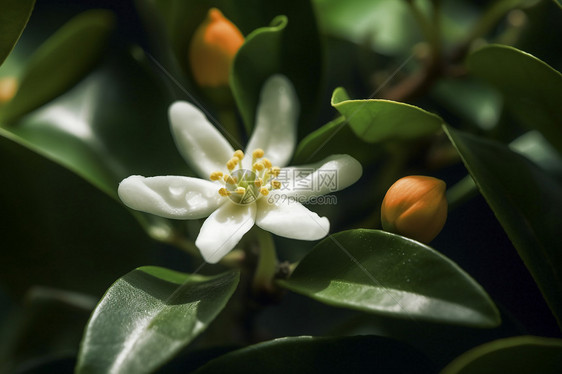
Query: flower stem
point(267, 263)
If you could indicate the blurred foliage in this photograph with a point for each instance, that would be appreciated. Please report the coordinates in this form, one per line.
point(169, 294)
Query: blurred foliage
point(13, 19)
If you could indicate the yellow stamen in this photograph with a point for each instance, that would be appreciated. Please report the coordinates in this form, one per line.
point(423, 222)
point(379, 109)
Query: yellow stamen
point(239, 155)
point(266, 163)
point(231, 164)
point(258, 153)
point(240, 190)
point(229, 179)
point(224, 192)
point(275, 171)
point(216, 175)
point(275, 185)
point(258, 182)
point(264, 191)
point(258, 166)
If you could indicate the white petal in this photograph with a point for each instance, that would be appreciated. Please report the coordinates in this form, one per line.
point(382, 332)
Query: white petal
point(171, 196)
point(291, 219)
point(223, 230)
point(198, 141)
point(276, 121)
point(332, 174)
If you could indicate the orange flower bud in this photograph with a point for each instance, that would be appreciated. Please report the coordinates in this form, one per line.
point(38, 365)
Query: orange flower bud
point(8, 88)
point(213, 48)
point(415, 207)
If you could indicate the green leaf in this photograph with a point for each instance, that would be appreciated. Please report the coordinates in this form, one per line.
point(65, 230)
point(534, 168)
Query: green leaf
point(383, 273)
point(334, 137)
point(148, 316)
point(61, 62)
point(14, 15)
point(356, 354)
point(531, 88)
point(249, 72)
point(521, 354)
point(526, 201)
point(378, 120)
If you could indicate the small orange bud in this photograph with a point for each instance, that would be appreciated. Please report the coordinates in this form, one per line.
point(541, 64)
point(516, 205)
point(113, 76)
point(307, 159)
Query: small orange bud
point(8, 88)
point(415, 207)
point(213, 48)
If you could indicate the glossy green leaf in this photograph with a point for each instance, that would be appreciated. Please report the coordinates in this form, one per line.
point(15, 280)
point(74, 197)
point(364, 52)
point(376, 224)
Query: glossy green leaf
point(148, 316)
point(559, 3)
point(249, 72)
point(356, 354)
point(61, 62)
point(526, 201)
point(383, 273)
point(14, 15)
point(378, 120)
point(335, 137)
point(521, 354)
point(531, 88)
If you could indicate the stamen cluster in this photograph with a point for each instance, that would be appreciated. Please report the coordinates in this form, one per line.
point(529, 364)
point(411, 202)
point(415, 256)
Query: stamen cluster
point(244, 186)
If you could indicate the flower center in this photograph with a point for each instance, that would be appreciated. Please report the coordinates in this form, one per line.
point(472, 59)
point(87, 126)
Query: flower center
point(244, 186)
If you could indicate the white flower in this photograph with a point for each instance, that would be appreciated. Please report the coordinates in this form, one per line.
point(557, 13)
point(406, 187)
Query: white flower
point(239, 190)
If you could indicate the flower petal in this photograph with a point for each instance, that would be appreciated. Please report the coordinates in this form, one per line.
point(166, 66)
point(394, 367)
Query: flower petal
point(223, 230)
point(199, 142)
point(276, 121)
point(170, 196)
point(332, 174)
point(291, 219)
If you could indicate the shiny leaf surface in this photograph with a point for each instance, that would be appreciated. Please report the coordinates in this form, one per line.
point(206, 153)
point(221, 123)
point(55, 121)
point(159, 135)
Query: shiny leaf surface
point(147, 316)
point(377, 120)
point(383, 273)
point(526, 201)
